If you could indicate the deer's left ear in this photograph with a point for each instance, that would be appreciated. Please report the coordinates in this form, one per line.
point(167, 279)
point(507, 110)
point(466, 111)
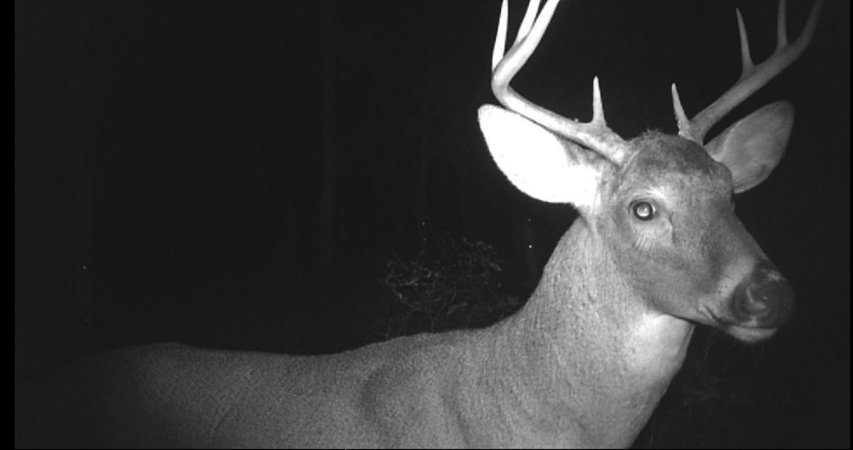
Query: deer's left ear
point(752, 147)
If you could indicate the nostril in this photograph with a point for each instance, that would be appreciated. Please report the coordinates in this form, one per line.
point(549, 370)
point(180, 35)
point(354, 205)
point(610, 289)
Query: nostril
point(767, 299)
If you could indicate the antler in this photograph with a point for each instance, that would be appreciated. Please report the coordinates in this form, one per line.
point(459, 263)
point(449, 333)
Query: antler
point(594, 134)
point(752, 77)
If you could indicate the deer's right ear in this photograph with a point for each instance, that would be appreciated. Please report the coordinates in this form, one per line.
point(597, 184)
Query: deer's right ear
point(537, 162)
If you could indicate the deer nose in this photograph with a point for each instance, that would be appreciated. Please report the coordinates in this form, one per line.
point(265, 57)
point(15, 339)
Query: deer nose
point(765, 299)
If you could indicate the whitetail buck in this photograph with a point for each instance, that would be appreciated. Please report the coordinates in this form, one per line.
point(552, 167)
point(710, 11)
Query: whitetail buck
point(657, 249)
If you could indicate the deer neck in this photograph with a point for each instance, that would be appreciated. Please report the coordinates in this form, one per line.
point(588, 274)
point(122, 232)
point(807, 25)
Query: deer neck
point(591, 359)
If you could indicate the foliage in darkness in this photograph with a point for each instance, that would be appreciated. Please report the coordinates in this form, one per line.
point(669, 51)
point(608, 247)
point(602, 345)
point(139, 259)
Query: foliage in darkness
point(458, 285)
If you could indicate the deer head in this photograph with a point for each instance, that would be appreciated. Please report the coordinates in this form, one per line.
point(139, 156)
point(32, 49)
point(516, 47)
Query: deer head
point(656, 212)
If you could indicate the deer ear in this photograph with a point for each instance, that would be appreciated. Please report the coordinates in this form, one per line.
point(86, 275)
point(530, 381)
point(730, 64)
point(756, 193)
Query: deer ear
point(537, 162)
point(752, 147)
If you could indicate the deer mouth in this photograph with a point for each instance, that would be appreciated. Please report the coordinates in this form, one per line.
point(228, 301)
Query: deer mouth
point(745, 332)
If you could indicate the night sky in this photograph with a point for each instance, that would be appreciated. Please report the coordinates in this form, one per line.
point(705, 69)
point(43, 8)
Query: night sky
point(237, 174)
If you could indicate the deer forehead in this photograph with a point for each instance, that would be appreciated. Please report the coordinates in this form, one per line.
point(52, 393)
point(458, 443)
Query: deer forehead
point(673, 168)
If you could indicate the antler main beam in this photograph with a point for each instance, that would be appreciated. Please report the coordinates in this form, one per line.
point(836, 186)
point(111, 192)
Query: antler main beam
point(752, 76)
point(594, 134)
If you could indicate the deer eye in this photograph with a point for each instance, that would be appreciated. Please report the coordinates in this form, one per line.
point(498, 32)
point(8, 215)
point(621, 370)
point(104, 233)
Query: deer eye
point(643, 210)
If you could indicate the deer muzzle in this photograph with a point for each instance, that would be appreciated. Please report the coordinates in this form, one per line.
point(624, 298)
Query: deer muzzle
point(764, 299)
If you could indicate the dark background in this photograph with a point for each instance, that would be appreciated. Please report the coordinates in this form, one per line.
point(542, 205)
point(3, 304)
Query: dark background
point(235, 175)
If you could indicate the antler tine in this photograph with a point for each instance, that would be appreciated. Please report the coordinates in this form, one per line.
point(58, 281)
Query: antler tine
point(594, 134)
point(752, 77)
point(680, 117)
